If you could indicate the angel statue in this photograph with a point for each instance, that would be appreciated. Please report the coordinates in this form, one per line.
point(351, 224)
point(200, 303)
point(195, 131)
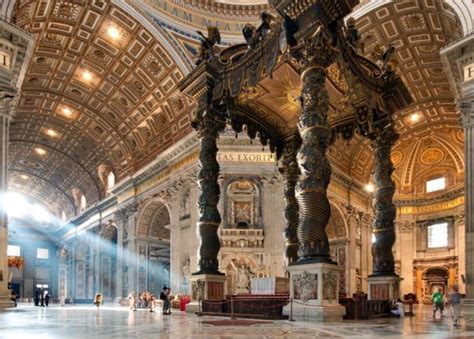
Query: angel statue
point(254, 35)
point(206, 51)
point(244, 274)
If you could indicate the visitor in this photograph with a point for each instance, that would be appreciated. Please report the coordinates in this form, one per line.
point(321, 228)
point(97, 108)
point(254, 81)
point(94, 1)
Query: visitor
point(46, 299)
point(62, 300)
point(36, 300)
point(455, 302)
point(98, 300)
point(13, 297)
point(438, 303)
point(42, 298)
point(139, 299)
point(151, 302)
point(131, 300)
point(165, 296)
point(398, 309)
point(71, 300)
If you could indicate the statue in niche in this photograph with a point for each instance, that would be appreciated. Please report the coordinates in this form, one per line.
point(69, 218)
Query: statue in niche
point(243, 276)
point(103, 172)
point(206, 51)
point(184, 207)
point(186, 270)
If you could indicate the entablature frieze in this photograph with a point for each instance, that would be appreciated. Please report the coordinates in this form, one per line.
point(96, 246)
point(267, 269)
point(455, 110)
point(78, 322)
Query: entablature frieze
point(447, 261)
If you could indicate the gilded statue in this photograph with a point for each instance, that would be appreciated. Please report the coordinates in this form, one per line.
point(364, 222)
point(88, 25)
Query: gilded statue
point(206, 51)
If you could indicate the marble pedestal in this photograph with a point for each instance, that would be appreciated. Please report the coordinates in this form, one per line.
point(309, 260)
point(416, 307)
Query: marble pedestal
point(314, 289)
point(383, 287)
point(205, 287)
point(5, 301)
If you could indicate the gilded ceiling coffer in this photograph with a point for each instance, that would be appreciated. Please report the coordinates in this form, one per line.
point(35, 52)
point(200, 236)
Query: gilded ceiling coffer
point(311, 190)
point(290, 172)
point(384, 208)
point(208, 123)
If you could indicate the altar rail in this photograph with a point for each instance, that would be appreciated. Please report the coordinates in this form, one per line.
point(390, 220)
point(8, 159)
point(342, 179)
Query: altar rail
point(249, 306)
point(361, 308)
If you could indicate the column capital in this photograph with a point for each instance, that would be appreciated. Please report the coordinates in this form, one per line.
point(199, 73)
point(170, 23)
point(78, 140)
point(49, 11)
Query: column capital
point(466, 107)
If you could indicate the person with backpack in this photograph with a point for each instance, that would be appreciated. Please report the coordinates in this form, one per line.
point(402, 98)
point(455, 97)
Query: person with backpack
point(438, 303)
point(455, 302)
point(165, 296)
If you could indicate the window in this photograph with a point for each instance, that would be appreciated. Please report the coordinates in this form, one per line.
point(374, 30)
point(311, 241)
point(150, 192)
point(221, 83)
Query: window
point(83, 203)
point(438, 235)
point(42, 253)
point(13, 250)
point(110, 180)
point(435, 185)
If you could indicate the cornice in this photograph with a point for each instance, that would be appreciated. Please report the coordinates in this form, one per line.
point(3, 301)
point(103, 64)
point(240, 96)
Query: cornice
point(447, 196)
point(165, 159)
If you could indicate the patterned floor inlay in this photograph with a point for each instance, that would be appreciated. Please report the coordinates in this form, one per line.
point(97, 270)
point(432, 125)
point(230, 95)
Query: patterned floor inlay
point(117, 322)
point(236, 322)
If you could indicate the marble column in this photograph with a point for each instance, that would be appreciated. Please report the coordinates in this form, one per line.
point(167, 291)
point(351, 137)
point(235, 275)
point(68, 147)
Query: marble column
point(208, 124)
point(16, 47)
point(119, 262)
point(6, 95)
point(467, 110)
point(176, 244)
point(125, 222)
point(290, 173)
point(384, 208)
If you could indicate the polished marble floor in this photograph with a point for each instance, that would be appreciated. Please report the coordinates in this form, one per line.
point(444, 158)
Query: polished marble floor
point(117, 322)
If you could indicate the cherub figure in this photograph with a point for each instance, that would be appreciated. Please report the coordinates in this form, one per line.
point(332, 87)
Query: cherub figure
point(206, 51)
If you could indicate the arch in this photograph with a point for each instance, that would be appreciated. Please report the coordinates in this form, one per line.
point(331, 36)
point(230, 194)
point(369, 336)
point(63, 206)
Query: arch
point(436, 270)
point(154, 220)
point(110, 233)
point(337, 228)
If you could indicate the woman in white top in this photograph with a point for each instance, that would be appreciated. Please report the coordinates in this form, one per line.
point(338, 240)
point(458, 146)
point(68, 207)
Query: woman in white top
point(399, 309)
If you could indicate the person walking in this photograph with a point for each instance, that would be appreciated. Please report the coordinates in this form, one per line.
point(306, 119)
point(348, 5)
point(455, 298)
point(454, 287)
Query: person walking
point(455, 302)
point(165, 296)
point(438, 303)
point(151, 302)
point(131, 301)
point(98, 300)
point(46, 299)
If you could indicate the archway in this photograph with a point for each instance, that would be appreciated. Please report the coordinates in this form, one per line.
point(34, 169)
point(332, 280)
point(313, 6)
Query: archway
point(434, 278)
point(153, 247)
point(108, 262)
point(338, 244)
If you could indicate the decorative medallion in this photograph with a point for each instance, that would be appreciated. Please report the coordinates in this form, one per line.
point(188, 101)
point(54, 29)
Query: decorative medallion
point(397, 158)
point(431, 156)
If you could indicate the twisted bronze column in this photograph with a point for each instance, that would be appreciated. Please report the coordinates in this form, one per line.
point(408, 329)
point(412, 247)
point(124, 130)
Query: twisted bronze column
point(385, 211)
point(290, 173)
point(311, 190)
point(208, 124)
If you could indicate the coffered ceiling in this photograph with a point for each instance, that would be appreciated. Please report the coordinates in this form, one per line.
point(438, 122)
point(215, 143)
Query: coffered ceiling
point(101, 89)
